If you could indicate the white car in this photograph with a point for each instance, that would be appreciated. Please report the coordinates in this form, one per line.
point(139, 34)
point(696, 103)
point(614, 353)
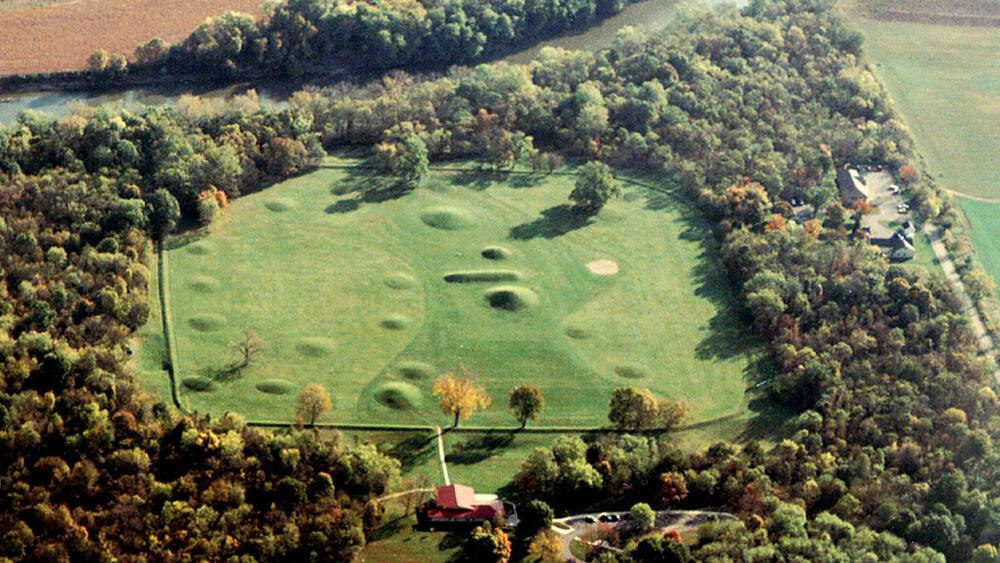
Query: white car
point(903, 208)
point(893, 189)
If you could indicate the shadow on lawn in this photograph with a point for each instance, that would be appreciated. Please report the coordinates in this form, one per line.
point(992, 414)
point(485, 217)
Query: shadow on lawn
point(414, 451)
point(480, 448)
point(728, 336)
point(368, 186)
point(482, 178)
point(770, 421)
point(554, 222)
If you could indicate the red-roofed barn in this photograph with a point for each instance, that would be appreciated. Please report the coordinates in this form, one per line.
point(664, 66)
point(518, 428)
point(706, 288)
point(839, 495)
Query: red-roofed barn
point(460, 505)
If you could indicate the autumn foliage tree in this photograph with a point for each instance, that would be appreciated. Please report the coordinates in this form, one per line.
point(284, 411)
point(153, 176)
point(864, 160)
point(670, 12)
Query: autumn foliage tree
point(638, 409)
point(314, 400)
point(526, 402)
point(460, 395)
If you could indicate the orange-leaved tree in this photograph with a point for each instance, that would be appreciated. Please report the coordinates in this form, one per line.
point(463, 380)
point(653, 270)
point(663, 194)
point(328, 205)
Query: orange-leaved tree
point(460, 395)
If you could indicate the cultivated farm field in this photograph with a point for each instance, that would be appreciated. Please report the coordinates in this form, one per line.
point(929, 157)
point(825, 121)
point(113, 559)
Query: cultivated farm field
point(947, 87)
point(373, 294)
point(59, 36)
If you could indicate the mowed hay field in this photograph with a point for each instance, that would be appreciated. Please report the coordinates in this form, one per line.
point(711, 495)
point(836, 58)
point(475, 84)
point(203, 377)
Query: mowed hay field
point(51, 37)
point(374, 296)
point(945, 82)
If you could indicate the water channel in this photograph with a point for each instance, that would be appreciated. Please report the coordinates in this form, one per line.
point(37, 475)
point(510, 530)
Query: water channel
point(648, 15)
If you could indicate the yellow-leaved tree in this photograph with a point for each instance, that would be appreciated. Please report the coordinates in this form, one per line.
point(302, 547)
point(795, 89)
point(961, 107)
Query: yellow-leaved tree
point(460, 395)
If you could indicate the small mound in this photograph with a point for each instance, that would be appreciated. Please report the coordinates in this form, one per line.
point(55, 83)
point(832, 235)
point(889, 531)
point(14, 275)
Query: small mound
point(394, 322)
point(279, 204)
point(511, 298)
point(275, 387)
point(577, 332)
point(473, 276)
point(398, 395)
point(603, 267)
point(415, 371)
point(400, 281)
point(199, 248)
point(446, 218)
point(208, 322)
point(315, 346)
point(632, 371)
point(495, 253)
point(203, 284)
point(199, 384)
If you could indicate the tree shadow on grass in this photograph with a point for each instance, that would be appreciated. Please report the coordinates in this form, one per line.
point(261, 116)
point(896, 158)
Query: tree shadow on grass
point(368, 186)
point(771, 421)
point(728, 335)
point(483, 177)
point(480, 448)
point(554, 222)
point(414, 451)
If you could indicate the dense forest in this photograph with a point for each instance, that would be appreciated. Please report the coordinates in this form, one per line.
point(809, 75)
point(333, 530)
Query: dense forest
point(892, 456)
point(316, 36)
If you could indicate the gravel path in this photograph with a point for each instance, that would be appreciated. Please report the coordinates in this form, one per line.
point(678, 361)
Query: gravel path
point(986, 343)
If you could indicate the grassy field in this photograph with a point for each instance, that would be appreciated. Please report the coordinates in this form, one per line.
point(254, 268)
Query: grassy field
point(349, 291)
point(44, 36)
point(984, 219)
point(946, 85)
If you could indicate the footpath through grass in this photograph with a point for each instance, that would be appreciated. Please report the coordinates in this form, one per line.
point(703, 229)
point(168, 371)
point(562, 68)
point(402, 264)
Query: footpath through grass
point(373, 294)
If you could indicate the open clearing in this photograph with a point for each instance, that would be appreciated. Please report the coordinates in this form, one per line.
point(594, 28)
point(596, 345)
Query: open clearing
point(375, 294)
point(60, 37)
point(947, 87)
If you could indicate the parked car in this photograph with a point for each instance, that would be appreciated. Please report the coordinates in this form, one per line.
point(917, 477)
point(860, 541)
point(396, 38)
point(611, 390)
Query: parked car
point(589, 519)
point(893, 189)
point(903, 208)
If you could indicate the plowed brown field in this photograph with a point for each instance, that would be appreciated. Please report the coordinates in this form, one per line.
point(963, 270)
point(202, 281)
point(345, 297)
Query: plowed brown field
point(61, 36)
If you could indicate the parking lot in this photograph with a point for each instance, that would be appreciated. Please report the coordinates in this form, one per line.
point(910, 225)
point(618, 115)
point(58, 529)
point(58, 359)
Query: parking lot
point(885, 202)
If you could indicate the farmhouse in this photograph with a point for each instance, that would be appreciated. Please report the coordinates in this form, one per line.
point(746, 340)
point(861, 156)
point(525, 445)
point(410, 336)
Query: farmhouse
point(852, 186)
point(459, 505)
point(896, 247)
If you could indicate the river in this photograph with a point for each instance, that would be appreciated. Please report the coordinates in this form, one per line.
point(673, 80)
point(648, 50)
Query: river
point(648, 15)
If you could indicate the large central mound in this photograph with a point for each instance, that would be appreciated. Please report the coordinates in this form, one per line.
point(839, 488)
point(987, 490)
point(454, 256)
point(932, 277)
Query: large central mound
point(376, 300)
point(511, 298)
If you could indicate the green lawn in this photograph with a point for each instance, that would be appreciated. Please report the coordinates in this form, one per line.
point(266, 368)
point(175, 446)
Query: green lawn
point(945, 82)
point(149, 358)
point(984, 220)
point(346, 288)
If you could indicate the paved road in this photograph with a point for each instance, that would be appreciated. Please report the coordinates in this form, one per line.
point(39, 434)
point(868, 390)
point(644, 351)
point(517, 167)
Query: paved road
point(986, 343)
point(681, 520)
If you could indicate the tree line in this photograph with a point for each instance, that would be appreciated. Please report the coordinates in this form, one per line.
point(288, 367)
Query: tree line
point(301, 37)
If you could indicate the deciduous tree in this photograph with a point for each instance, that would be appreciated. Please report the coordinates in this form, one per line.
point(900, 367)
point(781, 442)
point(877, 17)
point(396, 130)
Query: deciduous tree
point(526, 402)
point(595, 185)
point(314, 400)
point(460, 396)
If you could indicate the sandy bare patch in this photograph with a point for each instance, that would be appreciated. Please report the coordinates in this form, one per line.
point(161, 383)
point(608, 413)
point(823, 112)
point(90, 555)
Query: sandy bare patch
point(603, 267)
